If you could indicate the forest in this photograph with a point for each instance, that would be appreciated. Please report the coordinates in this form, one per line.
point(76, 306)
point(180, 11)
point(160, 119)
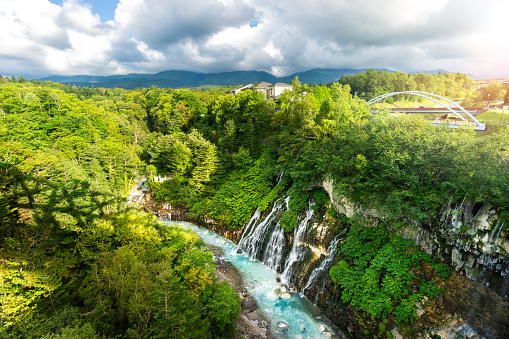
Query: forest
point(373, 83)
point(70, 245)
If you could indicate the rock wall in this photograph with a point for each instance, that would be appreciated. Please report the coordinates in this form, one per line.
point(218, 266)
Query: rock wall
point(469, 236)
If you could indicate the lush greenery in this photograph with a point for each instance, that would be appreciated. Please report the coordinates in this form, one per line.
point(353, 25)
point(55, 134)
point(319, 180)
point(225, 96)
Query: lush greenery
point(75, 260)
point(386, 264)
point(70, 247)
point(373, 83)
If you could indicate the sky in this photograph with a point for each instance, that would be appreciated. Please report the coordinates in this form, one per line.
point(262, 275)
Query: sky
point(107, 37)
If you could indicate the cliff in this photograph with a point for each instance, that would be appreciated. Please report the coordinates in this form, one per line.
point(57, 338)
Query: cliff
point(468, 236)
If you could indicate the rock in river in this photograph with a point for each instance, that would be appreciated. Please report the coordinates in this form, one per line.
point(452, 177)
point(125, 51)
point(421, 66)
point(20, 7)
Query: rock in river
point(281, 325)
point(286, 296)
point(249, 305)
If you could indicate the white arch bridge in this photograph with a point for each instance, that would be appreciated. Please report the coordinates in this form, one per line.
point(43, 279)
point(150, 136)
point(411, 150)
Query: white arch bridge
point(435, 98)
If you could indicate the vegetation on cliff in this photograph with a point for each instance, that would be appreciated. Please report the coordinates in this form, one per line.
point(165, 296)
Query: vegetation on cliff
point(70, 247)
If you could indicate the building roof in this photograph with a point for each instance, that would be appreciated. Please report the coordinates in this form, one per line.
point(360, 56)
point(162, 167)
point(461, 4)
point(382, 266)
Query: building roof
point(238, 89)
point(281, 84)
point(264, 84)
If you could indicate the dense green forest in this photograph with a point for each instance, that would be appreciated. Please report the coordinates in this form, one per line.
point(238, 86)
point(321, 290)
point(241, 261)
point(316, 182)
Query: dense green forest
point(70, 247)
point(372, 83)
point(75, 260)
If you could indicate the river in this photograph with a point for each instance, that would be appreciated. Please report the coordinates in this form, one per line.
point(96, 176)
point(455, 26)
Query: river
point(303, 318)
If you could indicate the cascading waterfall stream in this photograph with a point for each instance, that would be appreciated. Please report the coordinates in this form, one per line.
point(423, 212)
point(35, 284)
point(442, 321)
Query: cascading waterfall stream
point(301, 316)
point(248, 229)
point(325, 264)
point(273, 256)
point(495, 234)
point(297, 254)
point(254, 237)
point(298, 313)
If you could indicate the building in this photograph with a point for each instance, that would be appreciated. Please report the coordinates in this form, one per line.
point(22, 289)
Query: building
point(263, 87)
point(274, 91)
point(270, 91)
point(240, 89)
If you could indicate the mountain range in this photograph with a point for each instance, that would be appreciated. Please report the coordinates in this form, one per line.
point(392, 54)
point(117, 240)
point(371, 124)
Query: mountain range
point(180, 79)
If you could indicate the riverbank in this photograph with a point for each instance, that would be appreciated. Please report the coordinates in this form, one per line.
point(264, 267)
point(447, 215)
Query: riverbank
point(251, 323)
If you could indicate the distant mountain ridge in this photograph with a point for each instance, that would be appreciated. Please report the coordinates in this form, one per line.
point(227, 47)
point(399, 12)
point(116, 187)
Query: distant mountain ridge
point(180, 79)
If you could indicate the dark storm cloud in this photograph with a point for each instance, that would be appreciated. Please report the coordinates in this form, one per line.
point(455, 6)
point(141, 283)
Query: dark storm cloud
point(125, 51)
point(365, 29)
point(281, 37)
point(162, 23)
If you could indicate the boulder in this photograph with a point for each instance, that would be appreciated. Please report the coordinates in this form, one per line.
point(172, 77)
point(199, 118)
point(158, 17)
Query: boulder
point(281, 324)
point(249, 305)
point(286, 296)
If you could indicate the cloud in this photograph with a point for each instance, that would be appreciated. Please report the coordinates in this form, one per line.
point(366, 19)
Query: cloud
point(162, 23)
point(281, 37)
point(76, 16)
point(127, 51)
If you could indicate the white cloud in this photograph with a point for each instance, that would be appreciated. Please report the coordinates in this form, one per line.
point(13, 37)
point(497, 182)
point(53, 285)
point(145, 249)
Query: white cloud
point(74, 15)
point(281, 37)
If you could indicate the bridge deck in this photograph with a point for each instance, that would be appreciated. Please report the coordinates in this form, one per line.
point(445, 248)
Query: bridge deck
point(432, 112)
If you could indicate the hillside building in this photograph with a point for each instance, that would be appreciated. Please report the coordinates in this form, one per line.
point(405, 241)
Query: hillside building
point(270, 91)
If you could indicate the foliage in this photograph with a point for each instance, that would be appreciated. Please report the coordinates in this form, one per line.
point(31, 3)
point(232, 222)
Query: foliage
point(373, 83)
point(76, 262)
point(443, 270)
point(296, 205)
point(404, 166)
point(383, 262)
point(237, 198)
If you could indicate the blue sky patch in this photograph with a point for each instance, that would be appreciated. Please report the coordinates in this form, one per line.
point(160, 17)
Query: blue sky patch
point(255, 22)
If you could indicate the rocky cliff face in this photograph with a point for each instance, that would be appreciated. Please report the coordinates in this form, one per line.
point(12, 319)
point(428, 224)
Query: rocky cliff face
point(469, 236)
point(472, 238)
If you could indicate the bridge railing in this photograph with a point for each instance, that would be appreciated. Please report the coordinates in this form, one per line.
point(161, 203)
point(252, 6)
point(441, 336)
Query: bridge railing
point(435, 98)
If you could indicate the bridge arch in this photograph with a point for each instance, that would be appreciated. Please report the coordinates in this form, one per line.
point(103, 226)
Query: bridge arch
point(486, 84)
point(434, 98)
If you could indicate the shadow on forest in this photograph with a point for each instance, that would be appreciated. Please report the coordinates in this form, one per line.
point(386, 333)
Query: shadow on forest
point(56, 209)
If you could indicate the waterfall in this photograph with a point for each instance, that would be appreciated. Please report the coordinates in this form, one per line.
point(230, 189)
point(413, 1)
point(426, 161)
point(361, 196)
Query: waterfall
point(495, 233)
point(273, 256)
point(325, 264)
point(297, 253)
point(251, 223)
point(255, 235)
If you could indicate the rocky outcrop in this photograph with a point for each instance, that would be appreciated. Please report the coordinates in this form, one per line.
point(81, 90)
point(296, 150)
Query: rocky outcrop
point(469, 236)
point(249, 305)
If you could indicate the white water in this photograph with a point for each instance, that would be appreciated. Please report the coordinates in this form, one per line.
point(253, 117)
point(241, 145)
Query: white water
point(255, 235)
point(260, 281)
point(252, 222)
point(273, 256)
point(296, 254)
point(495, 233)
point(324, 265)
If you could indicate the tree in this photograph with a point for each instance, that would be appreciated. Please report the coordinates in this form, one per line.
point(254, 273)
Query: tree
point(491, 92)
point(172, 154)
point(207, 163)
